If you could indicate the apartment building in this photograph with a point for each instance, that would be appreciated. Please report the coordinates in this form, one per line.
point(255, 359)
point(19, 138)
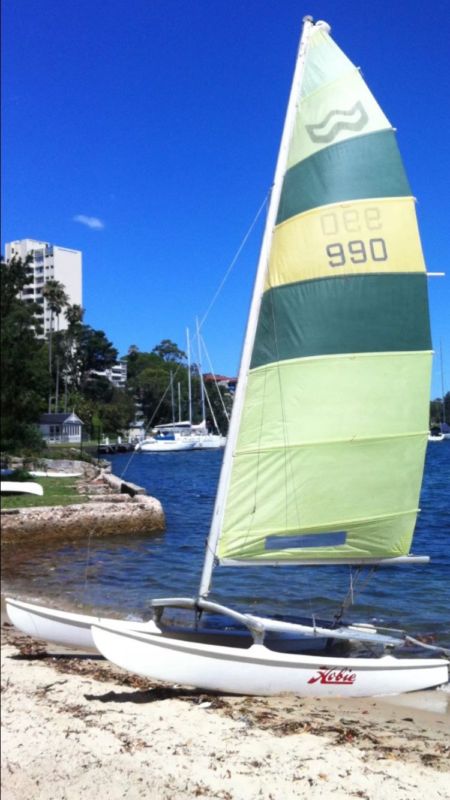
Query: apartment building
point(117, 374)
point(50, 262)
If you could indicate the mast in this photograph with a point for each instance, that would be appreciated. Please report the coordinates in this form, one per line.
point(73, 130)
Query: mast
point(202, 388)
point(441, 356)
point(258, 289)
point(188, 344)
point(172, 400)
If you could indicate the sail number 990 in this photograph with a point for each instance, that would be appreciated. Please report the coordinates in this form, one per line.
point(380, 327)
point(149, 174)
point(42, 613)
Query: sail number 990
point(356, 251)
point(353, 220)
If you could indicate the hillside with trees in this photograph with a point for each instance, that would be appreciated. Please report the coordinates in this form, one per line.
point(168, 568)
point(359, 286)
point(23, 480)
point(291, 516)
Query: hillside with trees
point(63, 372)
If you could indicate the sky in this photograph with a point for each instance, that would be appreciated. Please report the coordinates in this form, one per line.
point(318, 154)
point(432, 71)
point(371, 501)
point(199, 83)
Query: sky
point(145, 132)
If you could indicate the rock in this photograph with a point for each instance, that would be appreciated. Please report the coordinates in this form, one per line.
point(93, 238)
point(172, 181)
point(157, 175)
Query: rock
point(111, 498)
point(119, 485)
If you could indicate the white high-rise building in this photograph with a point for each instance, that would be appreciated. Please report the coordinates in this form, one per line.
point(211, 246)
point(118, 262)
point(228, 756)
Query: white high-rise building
point(50, 262)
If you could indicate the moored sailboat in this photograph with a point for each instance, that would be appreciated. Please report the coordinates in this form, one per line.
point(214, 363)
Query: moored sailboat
point(324, 455)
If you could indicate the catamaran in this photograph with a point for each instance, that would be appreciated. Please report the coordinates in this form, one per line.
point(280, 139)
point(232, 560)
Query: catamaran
point(325, 451)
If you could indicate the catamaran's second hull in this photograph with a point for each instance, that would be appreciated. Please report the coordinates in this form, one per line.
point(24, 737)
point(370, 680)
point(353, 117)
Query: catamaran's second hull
point(260, 671)
point(63, 628)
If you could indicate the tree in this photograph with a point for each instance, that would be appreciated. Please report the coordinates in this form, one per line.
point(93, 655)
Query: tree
point(86, 352)
point(23, 356)
point(71, 348)
point(220, 400)
point(74, 315)
point(96, 351)
point(153, 391)
point(440, 411)
point(104, 409)
point(118, 413)
point(169, 351)
point(56, 298)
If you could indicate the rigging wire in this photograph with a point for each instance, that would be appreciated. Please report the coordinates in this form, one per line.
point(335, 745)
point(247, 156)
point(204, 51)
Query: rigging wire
point(234, 259)
point(210, 407)
point(224, 408)
point(349, 599)
point(211, 304)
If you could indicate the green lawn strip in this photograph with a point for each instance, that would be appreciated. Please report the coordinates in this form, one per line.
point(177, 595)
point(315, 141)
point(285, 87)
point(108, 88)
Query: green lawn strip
point(57, 492)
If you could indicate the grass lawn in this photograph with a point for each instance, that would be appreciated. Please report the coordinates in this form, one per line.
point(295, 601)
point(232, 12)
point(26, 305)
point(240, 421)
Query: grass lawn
point(57, 492)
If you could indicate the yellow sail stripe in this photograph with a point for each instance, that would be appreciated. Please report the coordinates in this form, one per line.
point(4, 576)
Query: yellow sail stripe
point(355, 238)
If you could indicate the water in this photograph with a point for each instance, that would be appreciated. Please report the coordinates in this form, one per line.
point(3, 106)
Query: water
point(122, 574)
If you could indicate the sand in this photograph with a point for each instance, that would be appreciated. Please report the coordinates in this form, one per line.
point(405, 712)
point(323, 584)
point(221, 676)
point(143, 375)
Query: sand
point(77, 727)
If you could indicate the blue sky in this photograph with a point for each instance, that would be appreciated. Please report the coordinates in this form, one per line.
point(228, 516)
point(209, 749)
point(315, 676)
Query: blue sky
point(161, 120)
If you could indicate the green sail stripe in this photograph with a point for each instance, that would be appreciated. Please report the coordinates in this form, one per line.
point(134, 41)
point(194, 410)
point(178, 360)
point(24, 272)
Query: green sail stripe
point(355, 169)
point(364, 396)
point(361, 484)
point(349, 314)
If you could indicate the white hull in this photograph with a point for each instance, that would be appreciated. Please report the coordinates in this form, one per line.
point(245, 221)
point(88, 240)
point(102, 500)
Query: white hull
point(56, 474)
point(141, 648)
point(22, 487)
point(212, 442)
point(168, 446)
point(260, 671)
point(63, 627)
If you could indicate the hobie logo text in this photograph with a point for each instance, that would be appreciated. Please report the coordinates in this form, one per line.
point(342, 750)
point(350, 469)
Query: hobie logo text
point(340, 676)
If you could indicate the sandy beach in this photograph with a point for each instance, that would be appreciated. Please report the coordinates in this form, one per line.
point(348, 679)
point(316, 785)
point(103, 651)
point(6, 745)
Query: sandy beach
point(78, 727)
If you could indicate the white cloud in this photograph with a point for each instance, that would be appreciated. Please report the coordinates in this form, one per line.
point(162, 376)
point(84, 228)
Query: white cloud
point(92, 222)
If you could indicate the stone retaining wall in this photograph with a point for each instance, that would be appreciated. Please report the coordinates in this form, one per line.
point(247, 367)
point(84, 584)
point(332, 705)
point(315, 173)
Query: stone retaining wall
point(104, 517)
point(129, 510)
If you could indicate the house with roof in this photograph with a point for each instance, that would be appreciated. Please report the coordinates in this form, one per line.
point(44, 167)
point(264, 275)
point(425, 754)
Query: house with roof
point(221, 380)
point(67, 428)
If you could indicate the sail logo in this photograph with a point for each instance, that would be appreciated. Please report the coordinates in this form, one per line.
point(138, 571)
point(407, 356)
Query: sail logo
point(344, 677)
point(336, 121)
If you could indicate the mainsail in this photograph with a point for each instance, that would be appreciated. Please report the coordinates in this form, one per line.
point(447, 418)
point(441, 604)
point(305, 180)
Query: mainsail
point(327, 458)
